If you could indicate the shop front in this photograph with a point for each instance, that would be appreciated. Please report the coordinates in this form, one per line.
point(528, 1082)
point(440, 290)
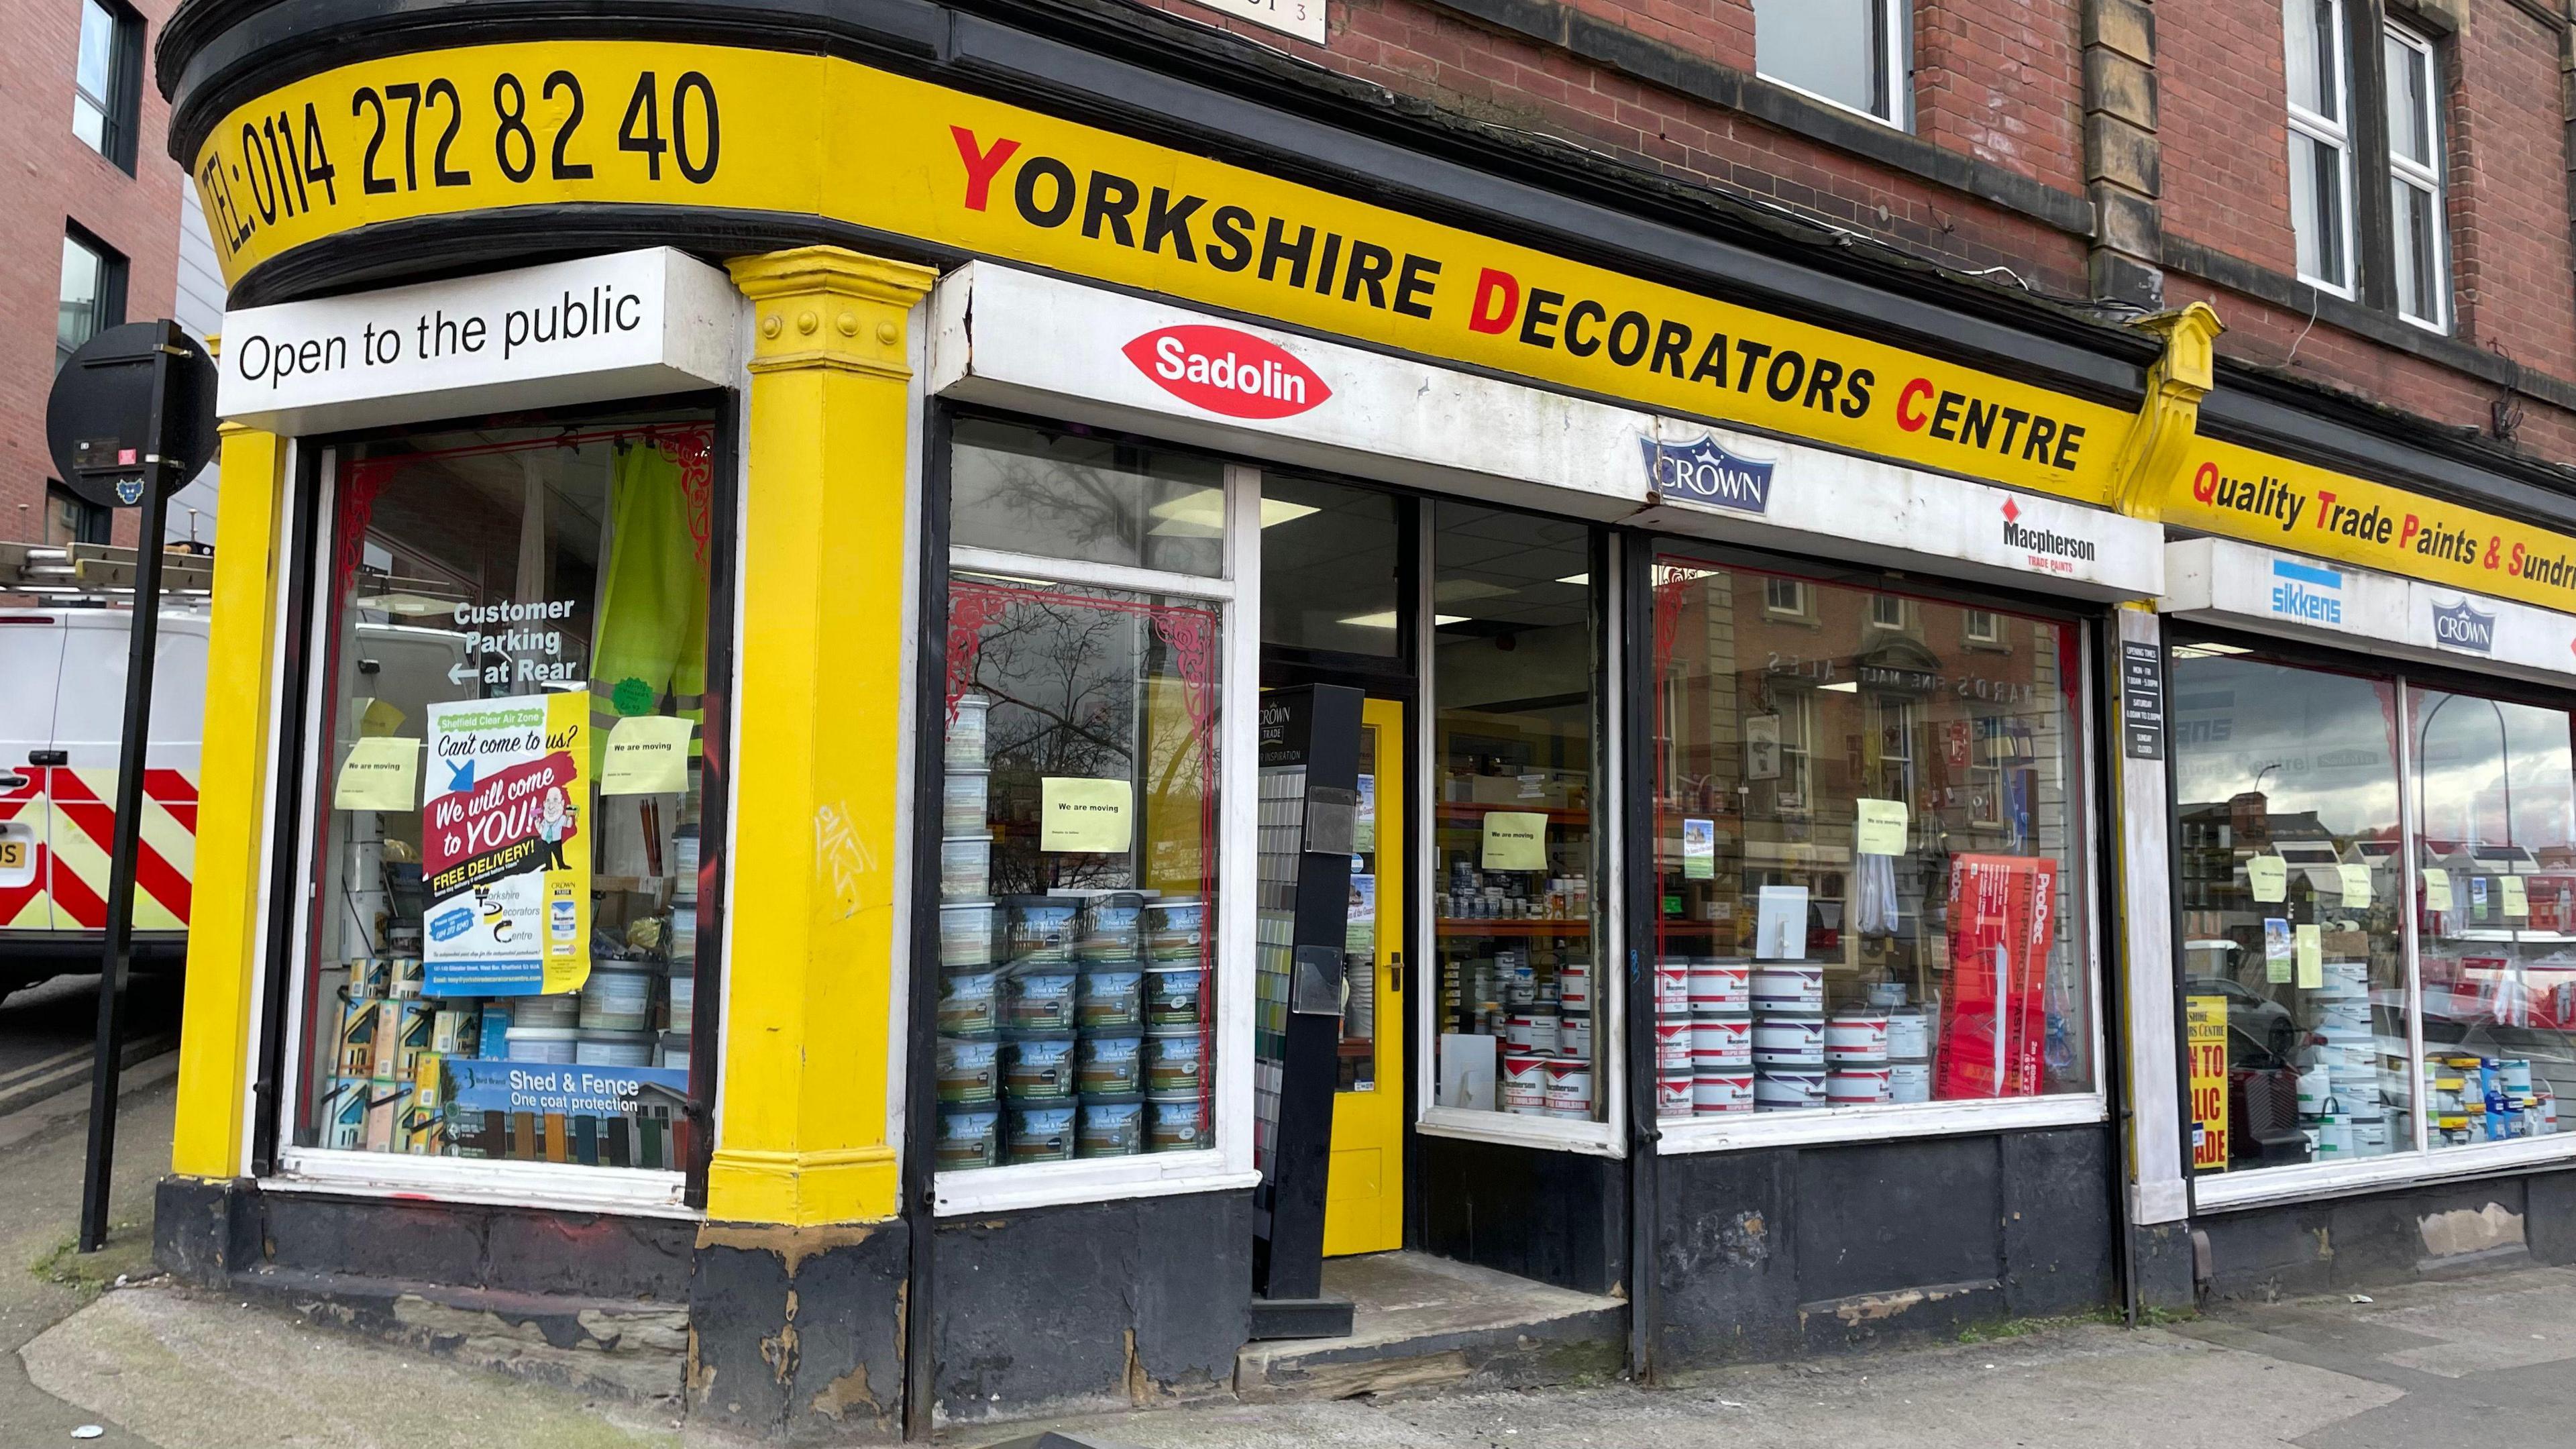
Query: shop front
point(2372, 792)
point(749, 704)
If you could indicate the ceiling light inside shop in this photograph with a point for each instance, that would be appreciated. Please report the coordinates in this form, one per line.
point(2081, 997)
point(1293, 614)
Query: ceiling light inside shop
point(1386, 620)
point(1848, 686)
point(408, 604)
point(1585, 580)
point(1019, 579)
point(2208, 651)
point(1202, 514)
point(1459, 591)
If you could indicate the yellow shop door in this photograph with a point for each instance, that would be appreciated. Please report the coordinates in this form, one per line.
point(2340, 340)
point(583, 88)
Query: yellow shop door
point(1364, 1201)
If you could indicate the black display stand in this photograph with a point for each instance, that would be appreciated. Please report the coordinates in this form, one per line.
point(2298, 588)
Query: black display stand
point(1310, 761)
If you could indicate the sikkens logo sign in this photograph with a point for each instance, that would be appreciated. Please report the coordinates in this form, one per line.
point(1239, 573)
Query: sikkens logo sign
point(1228, 372)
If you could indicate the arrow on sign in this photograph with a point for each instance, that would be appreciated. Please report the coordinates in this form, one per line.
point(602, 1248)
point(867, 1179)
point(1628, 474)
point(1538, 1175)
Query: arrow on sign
point(460, 673)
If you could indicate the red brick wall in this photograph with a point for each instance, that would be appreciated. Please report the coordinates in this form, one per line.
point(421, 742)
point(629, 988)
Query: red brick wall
point(2003, 81)
point(2002, 113)
point(47, 175)
point(2222, 103)
point(2272, 336)
point(2511, 268)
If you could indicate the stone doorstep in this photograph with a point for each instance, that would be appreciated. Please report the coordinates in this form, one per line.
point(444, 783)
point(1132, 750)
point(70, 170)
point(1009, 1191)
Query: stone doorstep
point(624, 1348)
point(1424, 1325)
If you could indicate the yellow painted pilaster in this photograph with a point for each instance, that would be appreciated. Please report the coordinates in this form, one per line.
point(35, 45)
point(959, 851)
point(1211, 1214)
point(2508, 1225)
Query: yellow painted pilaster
point(232, 810)
point(819, 704)
point(2171, 413)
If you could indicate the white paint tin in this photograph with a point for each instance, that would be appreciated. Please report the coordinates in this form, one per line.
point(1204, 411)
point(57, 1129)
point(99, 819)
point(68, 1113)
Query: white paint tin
point(1525, 1084)
point(1715, 1092)
point(1856, 1038)
point(1721, 1041)
point(1787, 1091)
point(1673, 1046)
point(1909, 1082)
point(1858, 1086)
point(1909, 1036)
point(1720, 986)
point(1569, 1089)
point(1673, 1094)
point(1789, 988)
point(1789, 1041)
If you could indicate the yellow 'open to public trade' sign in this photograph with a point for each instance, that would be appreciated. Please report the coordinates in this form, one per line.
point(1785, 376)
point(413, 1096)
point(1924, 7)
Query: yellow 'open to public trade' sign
point(492, 127)
point(2261, 498)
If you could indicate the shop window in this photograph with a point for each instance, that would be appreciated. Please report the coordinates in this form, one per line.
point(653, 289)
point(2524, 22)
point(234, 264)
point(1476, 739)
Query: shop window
point(1897, 917)
point(2495, 853)
point(107, 79)
point(1849, 52)
point(504, 954)
point(2286, 782)
point(1078, 871)
point(2415, 178)
point(1982, 626)
point(1516, 854)
point(2320, 115)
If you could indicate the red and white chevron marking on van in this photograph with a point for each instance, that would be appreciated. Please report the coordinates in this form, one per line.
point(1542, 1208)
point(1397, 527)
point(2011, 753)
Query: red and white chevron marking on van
point(73, 818)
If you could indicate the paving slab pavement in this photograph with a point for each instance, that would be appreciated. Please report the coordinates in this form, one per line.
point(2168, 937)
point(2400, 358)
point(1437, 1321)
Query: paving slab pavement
point(2486, 1362)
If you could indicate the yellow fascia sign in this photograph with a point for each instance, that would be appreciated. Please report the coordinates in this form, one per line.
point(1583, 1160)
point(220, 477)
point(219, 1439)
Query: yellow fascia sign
point(489, 128)
point(2267, 499)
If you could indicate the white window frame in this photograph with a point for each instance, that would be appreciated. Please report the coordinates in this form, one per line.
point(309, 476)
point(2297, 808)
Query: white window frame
point(2308, 124)
point(2426, 179)
point(1895, 40)
point(1878, 612)
point(1797, 610)
point(1992, 631)
point(1606, 1137)
point(1227, 1166)
point(1894, 1121)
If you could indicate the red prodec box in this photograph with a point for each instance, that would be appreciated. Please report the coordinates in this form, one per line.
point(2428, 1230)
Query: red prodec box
point(2002, 917)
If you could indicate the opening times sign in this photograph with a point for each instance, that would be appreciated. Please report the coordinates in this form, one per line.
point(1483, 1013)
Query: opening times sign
point(503, 857)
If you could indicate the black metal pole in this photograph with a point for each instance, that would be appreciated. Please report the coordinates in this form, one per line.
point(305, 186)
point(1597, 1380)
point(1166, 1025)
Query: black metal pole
point(130, 764)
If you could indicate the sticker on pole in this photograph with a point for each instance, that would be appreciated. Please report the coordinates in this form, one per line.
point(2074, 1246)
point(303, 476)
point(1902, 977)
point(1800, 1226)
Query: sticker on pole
point(1221, 370)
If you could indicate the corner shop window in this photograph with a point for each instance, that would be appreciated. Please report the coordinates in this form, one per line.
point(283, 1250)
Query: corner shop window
point(1512, 672)
point(2495, 853)
point(505, 935)
point(1078, 865)
point(1329, 566)
point(1866, 849)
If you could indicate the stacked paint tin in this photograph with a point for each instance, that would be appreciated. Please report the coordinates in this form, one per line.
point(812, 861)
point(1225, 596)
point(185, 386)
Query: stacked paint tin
point(1788, 1036)
point(2342, 1095)
point(2470, 1099)
point(1546, 1020)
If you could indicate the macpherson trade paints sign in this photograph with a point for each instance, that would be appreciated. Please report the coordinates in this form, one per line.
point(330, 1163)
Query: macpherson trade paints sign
point(490, 128)
point(505, 857)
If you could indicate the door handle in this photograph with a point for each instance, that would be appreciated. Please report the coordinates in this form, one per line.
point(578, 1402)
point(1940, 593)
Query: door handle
point(1395, 972)
point(13, 782)
point(49, 757)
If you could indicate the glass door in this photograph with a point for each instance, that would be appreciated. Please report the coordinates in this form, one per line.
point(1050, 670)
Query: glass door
point(1364, 1197)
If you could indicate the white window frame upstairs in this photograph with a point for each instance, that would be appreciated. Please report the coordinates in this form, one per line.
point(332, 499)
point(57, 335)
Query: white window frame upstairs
point(2307, 125)
point(2424, 177)
point(1895, 67)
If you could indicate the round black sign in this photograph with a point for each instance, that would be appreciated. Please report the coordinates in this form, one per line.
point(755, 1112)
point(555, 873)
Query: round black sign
point(99, 419)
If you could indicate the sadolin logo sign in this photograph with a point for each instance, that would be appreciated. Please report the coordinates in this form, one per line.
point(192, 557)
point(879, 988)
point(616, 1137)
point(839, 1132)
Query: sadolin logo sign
point(1228, 372)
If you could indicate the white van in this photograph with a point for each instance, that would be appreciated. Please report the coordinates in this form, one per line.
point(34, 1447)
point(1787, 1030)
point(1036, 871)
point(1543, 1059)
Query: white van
point(62, 708)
